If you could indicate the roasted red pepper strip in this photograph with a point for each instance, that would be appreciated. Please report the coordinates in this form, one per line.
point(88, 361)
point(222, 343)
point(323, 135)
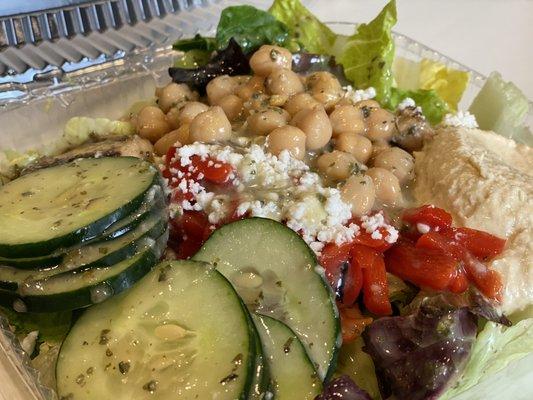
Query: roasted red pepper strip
point(375, 284)
point(481, 244)
point(486, 280)
point(423, 267)
point(353, 323)
point(434, 217)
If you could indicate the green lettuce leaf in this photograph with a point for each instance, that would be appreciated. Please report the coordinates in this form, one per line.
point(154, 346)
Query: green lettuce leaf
point(313, 35)
point(193, 59)
point(501, 107)
point(496, 347)
point(432, 105)
point(368, 54)
point(250, 27)
point(198, 42)
point(448, 83)
point(52, 327)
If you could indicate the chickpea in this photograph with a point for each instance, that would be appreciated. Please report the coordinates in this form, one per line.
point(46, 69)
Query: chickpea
point(258, 102)
point(287, 138)
point(359, 192)
point(299, 102)
point(183, 134)
point(166, 142)
point(315, 123)
point(256, 84)
point(325, 88)
point(220, 87)
point(172, 117)
point(387, 186)
point(284, 82)
point(347, 118)
point(397, 161)
point(378, 147)
point(190, 110)
point(268, 58)
point(336, 165)
point(369, 104)
point(380, 124)
point(210, 126)
point(232, 106)
point(173, 94)
point(152, 124)
point(265, 121)
point(359, 146)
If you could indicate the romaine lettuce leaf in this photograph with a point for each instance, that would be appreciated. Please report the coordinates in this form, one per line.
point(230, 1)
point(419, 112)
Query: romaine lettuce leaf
point(304, 27)
point(250, 27)
point(448, 83)
point(432, 105)
point(368, 54)
point(501, 107)
point(198, 42)
point(495, 348)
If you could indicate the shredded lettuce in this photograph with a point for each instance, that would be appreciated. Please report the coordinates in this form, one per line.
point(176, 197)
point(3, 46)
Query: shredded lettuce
point(368, 54)
point(304, 27)
point(501, 107)
point(496, 347)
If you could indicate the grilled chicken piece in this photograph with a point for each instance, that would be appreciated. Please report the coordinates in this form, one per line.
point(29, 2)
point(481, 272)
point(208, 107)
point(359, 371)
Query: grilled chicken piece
point(412, 128)
point(133, 146)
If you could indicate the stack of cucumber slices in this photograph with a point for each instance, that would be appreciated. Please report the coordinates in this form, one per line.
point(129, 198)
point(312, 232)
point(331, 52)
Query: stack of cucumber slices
point(76, 234)
point(250, 317)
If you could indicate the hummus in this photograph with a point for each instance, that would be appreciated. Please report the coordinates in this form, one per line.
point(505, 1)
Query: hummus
point(486, 182)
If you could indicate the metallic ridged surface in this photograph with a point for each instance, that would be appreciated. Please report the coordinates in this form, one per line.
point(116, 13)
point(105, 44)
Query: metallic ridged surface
point(86, 30)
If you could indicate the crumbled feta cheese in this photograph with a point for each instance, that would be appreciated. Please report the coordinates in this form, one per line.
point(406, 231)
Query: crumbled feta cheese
point(460, 119)
point(359, 95)
point(407, 102)
point(422, 228)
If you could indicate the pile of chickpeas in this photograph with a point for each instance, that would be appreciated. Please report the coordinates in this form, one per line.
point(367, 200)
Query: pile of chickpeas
point(310, 116)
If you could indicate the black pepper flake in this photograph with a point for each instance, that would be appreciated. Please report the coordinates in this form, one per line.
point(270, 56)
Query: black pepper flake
point(103, 336)
point(69, 396)
point(124, 367)
point(108, 352)
point(27, 193)
point(80, 380)
point(274, 54)
point(229, 378)
point(85, 343)
point(89, 371)
point(287, 345)
point(366, 111)
point(278, 283)
point(150, 386)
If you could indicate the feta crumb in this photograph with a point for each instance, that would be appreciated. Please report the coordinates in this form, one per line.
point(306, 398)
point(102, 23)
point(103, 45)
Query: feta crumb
point(407, 102)
point(359, 95)
point(461, 119)
point(422, 228)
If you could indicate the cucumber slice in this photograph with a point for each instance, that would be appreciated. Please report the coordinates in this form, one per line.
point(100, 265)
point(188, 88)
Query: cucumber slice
point(276, 273)
point(153, 205)
point(292, 371)
point(73, 290)
point(103, 254)
point(261, 376)
point(64, 205)
point(181, 333)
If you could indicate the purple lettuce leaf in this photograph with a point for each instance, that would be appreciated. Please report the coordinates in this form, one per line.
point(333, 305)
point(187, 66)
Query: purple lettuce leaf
point(343, 388)
point(418, 356)
point(230, 61)
point(307, 63)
